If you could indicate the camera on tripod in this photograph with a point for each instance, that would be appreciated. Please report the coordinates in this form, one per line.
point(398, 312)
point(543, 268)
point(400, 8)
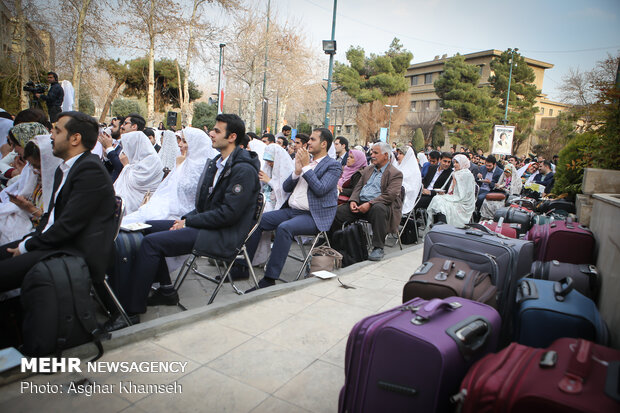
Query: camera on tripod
point(35, 87)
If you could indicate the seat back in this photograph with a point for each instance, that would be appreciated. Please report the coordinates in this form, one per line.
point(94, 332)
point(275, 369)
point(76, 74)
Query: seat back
point(258, 215)
point(119, 212)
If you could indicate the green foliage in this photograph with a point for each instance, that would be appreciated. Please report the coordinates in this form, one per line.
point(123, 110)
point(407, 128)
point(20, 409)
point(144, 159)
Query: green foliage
point(575, 156)
point(117, 70)
point(376, 77)
point(86, 102)
point(438, 137)
point(418, 140)
point(523, 93)
point(123, 107)
point(166, 82)
point(204, 115)
point(9, 86)
point(304, 127)
point(470, 111)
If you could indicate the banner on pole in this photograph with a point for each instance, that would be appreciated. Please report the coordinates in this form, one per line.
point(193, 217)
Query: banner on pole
point(502, 139)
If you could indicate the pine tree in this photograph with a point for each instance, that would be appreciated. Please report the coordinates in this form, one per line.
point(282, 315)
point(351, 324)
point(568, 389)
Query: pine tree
point(438, 137)
point(469, 110)
point(523, 94)
point(418, 140)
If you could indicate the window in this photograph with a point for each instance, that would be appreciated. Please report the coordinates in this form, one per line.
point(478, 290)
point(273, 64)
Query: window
point(412, 106)
point(414, 80)
point(480, 70)
point(542, 111)
point(550, 112)
point(426, 105)
point(428, 78)
point(348, 128)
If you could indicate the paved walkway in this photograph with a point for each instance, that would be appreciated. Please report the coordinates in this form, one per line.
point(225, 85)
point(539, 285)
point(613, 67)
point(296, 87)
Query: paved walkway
point(280, 354)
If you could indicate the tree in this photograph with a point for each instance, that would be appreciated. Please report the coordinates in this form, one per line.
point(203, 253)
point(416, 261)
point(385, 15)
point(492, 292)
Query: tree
point(551, 141)
point(123, 107)
point(117, 71)
point(373, 116)
point(523, 94)
point(418, 140)
point(438, 135)
point(86, 103)
point(204, 115)
point(368, 79)
point(469, 110)
point(424, 119)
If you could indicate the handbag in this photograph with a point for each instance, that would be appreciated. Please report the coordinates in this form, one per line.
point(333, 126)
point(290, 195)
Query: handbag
point(325, 258)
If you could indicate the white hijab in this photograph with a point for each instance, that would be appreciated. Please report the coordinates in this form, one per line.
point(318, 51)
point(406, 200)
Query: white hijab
point(69, 98)
point(283, 167)
point(175, 196)
point(142, 174)
point(258, 146)
point(422, 159)
point(412, 179)
point(169, 150)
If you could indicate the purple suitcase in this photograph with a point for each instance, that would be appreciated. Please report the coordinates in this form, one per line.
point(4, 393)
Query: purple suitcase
point(412, 358)
point(563, 241)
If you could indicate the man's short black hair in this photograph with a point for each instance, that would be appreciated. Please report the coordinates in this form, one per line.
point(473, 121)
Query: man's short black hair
point(303, 138)
point(245, 142)
point(252, 135)
point(83, 124)
point(284, 141)
point(285, 127)
point(343, 141)
point(149, 132)
point(547, 163)
point(491, 159)
point(137, 119)
point(446, 155)
point(434, 155)
point(326, 136)
point(53, 74)
point(234, 124)
point(270, 137)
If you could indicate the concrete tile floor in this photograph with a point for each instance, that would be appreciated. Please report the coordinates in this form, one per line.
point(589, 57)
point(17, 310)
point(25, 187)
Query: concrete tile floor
point(283, 354)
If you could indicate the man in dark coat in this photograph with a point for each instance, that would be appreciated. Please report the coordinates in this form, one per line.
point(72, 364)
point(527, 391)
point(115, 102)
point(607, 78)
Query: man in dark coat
point(436, 180)
point(54, 97)
point(226, 200)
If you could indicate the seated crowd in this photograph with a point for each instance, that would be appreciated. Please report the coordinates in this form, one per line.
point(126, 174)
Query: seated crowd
point(198, 192)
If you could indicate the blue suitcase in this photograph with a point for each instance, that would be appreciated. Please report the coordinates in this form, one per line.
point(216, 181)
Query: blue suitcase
point(548, 310)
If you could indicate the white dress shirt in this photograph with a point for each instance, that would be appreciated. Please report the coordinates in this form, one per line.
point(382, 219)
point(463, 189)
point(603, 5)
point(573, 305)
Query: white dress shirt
point(299, 197)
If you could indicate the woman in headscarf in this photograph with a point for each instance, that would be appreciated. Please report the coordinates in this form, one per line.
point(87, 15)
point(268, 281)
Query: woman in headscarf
point(510, 183)
point(170, 150)
point(277, 168)
point(24, 202)
point(407, 163)
point(351, 173)
point(176, 195)
point(143, 173)
point(458, 205)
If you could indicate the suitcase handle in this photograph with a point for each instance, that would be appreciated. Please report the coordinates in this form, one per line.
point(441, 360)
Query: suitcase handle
point(429, 309)
point(578, 368)
point(527, 290)
point(562, 287)
point(470, 335)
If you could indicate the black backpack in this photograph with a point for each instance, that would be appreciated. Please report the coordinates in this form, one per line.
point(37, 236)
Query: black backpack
point(351, 243)
point(59, 312)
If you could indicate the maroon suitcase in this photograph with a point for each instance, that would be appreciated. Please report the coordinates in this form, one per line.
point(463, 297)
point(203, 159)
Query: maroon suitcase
point(412, 358)
point(572, 375)
point(507, 230)
point(563, 241)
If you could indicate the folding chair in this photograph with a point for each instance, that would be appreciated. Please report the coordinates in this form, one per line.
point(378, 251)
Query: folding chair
point(408, 218)
point(239, 253)
point(119, 212)
point(305, 266)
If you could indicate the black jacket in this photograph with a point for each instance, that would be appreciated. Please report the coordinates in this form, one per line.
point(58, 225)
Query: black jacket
point(225, 214)
point(440, 182)
point(83, 216)
point(55, 95)
point(113, 164)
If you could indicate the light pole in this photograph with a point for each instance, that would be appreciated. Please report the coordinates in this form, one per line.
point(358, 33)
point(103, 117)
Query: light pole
point(512, 52)
point(329, 47)
point(264, 106)
point(220, 98)
point(390, 121)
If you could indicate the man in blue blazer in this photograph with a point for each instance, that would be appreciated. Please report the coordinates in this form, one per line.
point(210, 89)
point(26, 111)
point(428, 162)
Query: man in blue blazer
point(487, 178)
point(310, 208)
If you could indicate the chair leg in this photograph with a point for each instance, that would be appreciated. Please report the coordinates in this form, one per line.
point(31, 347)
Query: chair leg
point(247, 259)
point(308, 256)
point(117, 303)
point(181, 277)
point(221, 282)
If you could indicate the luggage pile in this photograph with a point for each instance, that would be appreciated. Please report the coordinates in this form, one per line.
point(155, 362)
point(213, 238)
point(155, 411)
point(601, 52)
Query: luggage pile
point(500, 316)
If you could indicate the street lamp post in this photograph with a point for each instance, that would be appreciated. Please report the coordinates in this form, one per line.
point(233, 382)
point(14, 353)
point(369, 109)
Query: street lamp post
point(329, 47)
point(264, 106)
point(512, 52)
point(220, 100)
point(390, 120)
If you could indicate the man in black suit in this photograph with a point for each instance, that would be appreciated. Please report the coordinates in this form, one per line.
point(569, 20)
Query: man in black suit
point(79, 220)
point(487, 179)
point(436, 180)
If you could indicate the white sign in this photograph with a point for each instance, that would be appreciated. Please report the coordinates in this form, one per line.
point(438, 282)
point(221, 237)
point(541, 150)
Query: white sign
point(502, 139)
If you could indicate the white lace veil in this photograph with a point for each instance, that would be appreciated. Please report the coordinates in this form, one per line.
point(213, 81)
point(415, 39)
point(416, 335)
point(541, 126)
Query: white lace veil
point(412, 179)
point(283, 167)
point(169, 150)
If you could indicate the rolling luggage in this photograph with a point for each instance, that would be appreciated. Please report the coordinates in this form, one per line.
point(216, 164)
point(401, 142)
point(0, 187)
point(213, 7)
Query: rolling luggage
point(59, 312)
point(515, 216)
point(572, 375)
point(507, 230)
point(413, 357)
point(506, 259)
point(525, 203)
point(548, 310)
point(441, 278)
point(557, 205)
point(586, 278)
point(350, 241)
point(563, 241)
point(126, 247)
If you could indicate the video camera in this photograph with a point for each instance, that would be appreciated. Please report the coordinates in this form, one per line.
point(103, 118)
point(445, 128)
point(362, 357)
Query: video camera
point(35, 87)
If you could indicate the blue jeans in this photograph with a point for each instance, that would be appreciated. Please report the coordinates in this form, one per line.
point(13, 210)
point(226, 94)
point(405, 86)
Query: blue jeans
point(287, 223)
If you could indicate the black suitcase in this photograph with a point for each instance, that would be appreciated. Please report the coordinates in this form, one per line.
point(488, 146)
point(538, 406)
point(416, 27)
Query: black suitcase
point(350, 241)
point(557, 205)
point(126, 247)
point(586, 278)
point(59, 312)
point(515, 216)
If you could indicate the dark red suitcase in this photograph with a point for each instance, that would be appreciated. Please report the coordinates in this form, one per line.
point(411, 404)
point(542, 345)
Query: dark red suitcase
point(570, 376)
point(412, 358)
point(563, 241)
point(507, 230)
point(586, 277)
